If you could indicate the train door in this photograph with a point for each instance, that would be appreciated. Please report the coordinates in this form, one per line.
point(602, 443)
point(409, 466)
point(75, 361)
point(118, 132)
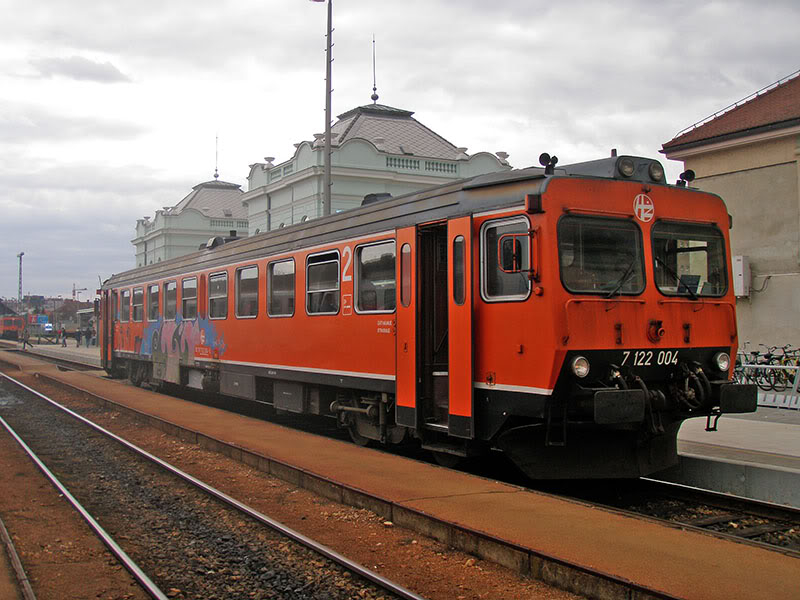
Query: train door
point(459, 288)
point(406, 351)
point(444, 341)
point(106, 327)
point(433, 347)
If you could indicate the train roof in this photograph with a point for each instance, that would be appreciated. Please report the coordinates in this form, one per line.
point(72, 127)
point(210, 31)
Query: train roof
point(466, 196)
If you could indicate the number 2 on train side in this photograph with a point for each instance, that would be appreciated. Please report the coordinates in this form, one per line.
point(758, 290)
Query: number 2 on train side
point(347, 255)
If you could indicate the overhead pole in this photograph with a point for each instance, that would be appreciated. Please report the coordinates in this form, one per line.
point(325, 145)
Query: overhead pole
point(19, 292)
point(326, 199)
point(326, 179)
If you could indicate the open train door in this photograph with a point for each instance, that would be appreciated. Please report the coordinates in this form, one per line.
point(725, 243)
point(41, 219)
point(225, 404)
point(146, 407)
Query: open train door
point(461, 420)
point(406, 388)
point(106, 327)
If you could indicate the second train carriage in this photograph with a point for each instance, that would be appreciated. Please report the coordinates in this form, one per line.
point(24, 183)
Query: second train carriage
point(571, 317)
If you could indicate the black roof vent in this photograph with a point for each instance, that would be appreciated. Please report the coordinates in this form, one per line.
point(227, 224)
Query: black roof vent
point(370, 198)
point(214, 242)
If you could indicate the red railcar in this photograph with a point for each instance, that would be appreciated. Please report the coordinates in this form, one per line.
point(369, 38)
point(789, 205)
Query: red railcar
point(571, 317)
point(11, 327)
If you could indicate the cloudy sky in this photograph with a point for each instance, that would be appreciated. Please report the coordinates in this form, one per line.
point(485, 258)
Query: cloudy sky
point(110, 110)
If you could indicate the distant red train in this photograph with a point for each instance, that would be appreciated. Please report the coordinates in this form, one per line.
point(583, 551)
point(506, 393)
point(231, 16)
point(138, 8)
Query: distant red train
point(11, 327)
point(570, 316)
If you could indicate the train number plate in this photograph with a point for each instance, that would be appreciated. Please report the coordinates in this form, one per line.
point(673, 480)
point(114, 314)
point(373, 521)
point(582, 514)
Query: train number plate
point(649, 358)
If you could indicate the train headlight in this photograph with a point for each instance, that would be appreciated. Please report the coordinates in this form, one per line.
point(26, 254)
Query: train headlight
point(656, 171)
point(626, 167)
point(722, 361)
point(580, 366)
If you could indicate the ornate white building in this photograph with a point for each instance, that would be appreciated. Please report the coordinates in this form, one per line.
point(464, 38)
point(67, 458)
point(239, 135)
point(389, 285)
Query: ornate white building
point(212, 208)
point(375, 149)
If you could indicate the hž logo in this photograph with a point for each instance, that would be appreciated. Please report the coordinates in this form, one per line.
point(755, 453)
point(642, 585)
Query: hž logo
point(643, 208)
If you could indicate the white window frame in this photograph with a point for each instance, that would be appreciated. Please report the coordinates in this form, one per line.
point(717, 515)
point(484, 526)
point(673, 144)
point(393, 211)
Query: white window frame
point(483, 262)
point(338, 288)
point(237, 281)
point(357, 262)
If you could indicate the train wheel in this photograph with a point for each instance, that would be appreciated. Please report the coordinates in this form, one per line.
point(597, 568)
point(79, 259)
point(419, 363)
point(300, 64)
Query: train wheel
point(357, 438)
point(445, 459)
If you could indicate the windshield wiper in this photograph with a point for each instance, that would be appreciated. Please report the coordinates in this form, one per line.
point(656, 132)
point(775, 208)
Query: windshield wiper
point(622, 280)
point(677, 278)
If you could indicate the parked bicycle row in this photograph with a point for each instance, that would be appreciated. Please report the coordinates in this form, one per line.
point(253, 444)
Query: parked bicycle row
point(774, 368)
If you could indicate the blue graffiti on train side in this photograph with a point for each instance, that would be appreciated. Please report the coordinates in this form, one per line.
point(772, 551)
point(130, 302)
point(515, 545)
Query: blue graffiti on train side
point(182, 337)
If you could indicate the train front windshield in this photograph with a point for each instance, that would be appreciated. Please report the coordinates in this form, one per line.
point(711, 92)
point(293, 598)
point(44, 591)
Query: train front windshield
point(689, 259)
point(600, 255)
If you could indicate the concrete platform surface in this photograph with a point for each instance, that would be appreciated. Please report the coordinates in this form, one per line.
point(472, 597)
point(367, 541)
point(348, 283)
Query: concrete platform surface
point(668, 560)
point(89, 356)
point(769, 437)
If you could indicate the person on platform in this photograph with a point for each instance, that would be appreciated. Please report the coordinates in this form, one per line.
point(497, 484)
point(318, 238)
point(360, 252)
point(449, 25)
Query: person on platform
point(78, 336)
point(88, 335)
point(64, 337)
point(26, 337)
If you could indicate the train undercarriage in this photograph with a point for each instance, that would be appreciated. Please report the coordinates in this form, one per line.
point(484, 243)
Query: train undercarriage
point(619, 425)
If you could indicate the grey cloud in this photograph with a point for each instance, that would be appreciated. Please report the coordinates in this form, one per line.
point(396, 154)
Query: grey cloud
point(25, 124)
point(80, 68)
point(75, 222)
point(200, 36)
point(80, 184)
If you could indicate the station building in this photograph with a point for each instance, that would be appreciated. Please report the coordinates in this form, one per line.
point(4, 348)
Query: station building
point(212, 208)
point(748, 154)
point(375, 149)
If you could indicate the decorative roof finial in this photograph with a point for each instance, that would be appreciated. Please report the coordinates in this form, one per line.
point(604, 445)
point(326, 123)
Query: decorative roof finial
point(374, 96)
point(216, 158)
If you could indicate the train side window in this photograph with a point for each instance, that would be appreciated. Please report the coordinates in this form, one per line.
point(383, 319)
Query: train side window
point(496, 284)
point(322, 284)
point(138, 304)
point(247, 292)
point(459, 290)
point(170, 300)
point(189, 297)
point(218, 296)
point(376, 287)
point(280, 288)
point(115, 304)
point(125, 308)
point(405, 275)
point(152, 302)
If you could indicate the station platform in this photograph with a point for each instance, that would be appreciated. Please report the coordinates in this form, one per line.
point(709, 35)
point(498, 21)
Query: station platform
point(89, 356)
point(540, 532)
point(770, 436)
point(754, 455)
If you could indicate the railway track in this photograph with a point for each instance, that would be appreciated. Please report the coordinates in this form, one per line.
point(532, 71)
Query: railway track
point(742, 519)
point(181, 535)
point(728, 517)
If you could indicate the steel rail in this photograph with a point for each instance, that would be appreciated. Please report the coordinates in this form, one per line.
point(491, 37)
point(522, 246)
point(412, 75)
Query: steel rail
point(16, 564)
point(140, 576)
point(296, 536)
point(726, 501)
point(755, 507)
